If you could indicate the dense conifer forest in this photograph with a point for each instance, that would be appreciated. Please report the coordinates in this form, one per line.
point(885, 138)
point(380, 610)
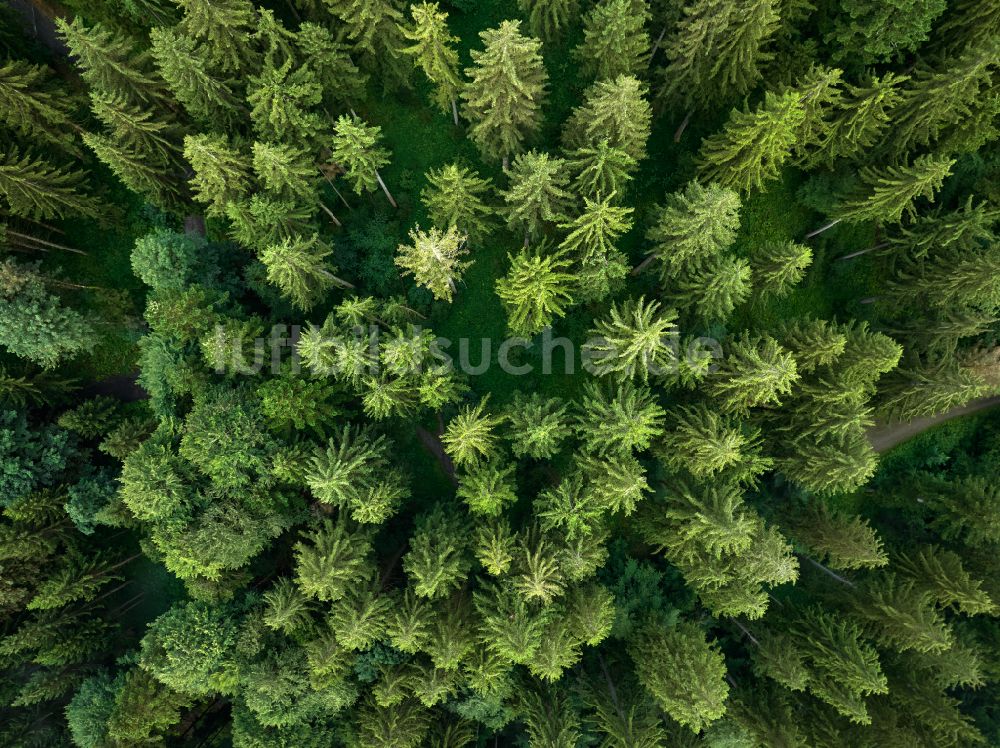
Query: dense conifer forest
point(549, 373)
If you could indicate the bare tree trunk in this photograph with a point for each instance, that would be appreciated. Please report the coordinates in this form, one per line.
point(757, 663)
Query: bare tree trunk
point(334, 188)
point(330, 213)
point(821, 229)
point(852, 255)
point(506, 164)
point(683, 126)
point(339, 281)
point(454, 111)
point(385, 189)
point(643, 265)
point(746, 631)
point(822, 568)
point(36, 240)
point(656, 44)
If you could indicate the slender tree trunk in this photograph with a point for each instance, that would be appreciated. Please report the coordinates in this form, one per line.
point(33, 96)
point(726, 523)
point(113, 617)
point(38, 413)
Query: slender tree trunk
point(339, 281)
point(128, 560)
point(334, 188)
point(821, 229)
point(112, 591)
point(683, 126)
point(822, 568)
point(36, 240)
point(746, 631)
point(330, 213)
point(506, 164)
point(852, 255)
point(64, 284)
point(656, 44)
point(454, 111)
point(342, 198)
point(643, 265)
point(869, 300)
point(414, 311)
point(295, 12)
point(385, 189)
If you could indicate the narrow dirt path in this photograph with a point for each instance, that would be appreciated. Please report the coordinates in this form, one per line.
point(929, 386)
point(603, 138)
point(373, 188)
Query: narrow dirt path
point(884, 437)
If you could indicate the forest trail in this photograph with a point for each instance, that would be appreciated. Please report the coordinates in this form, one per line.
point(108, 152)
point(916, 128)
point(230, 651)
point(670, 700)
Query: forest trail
point(885, 437)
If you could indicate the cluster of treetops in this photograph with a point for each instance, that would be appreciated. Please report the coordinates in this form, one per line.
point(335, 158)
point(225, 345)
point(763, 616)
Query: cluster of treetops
point(683, 553)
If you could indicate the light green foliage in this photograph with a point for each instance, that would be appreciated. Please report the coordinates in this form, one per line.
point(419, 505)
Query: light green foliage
point(282, 102)
point(188, 72)
point(357, 150)
point(191, 648)
point(505, 91)
point(536, 290)
point(938, 102)
point(538, 195)
point(224, 435)
point(221, 174)
point(110, 62)
point(299, 268)
point(224, 26)
point(548, 19)
point(294, 402)
point(433, 50)
point(287, 609)
point(592, 235)
point(329, 59)
point(537, 425)
point(842, 541)
point(614, 110)
point(615, 41)
point(914, 392)
point(777, 268)
point(600, 169)
point(372, 27)
point(753, 372)
point(30, 106)
point(886, 195)
point(636, 341)
point(136, 128)
point(712, 291)
point(35, 324)
point(331, 560)
point(166, 259)
point(488, 489)
point(751, 149)
point(454, 196)
point(354, 472)
point(286, 171)
point(706, 443)
point(880, 31)
point(695, 224)
point(438, 559)
point(942, 575)
point(433, 259)
point(717, 49)
point(684, 672)
point(860, 118)
point(618, 419)
point(34, 188)
point(470, 436)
